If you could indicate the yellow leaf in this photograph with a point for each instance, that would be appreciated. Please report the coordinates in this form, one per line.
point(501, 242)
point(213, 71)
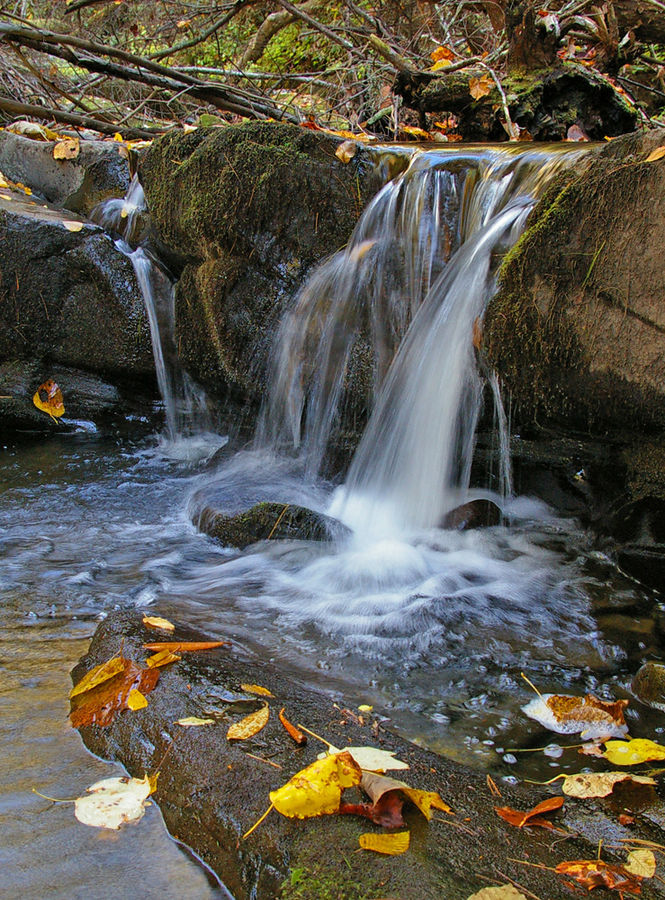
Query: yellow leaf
point(72, 226)
point(249, 726)
point(152, 781)
point(118, 137)
point(161, 658)
point(187, 129)
point(194, 721)
point(6, 196)
point(658, 153)
point(598, 784)
point(158, 622)
point(642, 863)
point(417, 133)
point(317, 789)
point(480, 87)
point(441, 54)
point(48, 398)
point(346, 151)
point(98, 675)
point(136, 700)
point(632, 753)
point(3, 181)
point(364, 707)
point(67, 149)
point(390, 844)
point(502, 892)
point(257, 689)
point(440, 64)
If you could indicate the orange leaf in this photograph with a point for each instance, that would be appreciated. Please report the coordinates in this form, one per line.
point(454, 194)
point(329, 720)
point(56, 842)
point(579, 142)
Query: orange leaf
point(48, 398)
point(593, 873)
point(442, 53)
point(250, 725)
point(533, 816)
point(101, 704)
point(480, 87)
point(184, 646)
point(161, 658)
point(418, 133)
point(297, 736)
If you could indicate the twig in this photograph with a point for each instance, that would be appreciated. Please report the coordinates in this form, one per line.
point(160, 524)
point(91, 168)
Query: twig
point(319, 26)
point(266, 761)
point(41, 112)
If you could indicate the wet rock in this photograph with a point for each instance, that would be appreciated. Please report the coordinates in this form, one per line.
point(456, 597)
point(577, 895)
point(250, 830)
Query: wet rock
point(69, 297)
point(97, 173)
point(649, 685)
point(269, 521)
point(210, 791)
point(576, 330)
point(244, 212)
point(646, 564)
point(478, 513)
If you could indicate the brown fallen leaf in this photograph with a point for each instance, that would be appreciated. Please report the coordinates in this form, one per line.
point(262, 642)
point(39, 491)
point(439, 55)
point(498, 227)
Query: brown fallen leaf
point(250, 725)
point(534, 817)
point(387, 811)
point(376, 786)
point(67, 149)
point(48, 398)
point(642, 863)
point(501, 892)
point(480, 87)
point(599, 784)
point(569, 715)
point(293, 732)
point(184, 646)
point(101, 704)
point(591, 873)
point(346, 151)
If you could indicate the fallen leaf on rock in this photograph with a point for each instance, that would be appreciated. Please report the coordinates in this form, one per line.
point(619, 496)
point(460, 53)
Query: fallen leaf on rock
point(418, 133)
point(365, 708)
point(161, 658)
point(3, 181)
point(533, 816)
point(48, 398)
point(293, 732)
point(28, 129)
point(250, 725)
point(194, 721)
point(634, 752)
point(113, 802)
point(658, 153)
point(346, 151)
point(72, 226)
point(67, 149)
point(571, 715)
point(591, 873)
point(502, 892)
point(257, 689)
point(598, 784)
point(377, 786)
point(100, 705)
point(158, 622)
point(372, 759)
point(99, 674)
point(480, 87)
point(387, 811)
point(390, 844)
point(184, 646)
point(317, 789)
point(626, 819)
point(642, 863)
point(136, 700)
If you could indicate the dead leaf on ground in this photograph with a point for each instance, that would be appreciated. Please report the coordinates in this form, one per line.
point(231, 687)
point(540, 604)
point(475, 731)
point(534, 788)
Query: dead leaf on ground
point(658, 153)
point(633, 752)
point(502, 892)
point(48, 398)
point(136, 700)
point(114, 802)
point(480, 87)
point(571, 715)
point(317, 789)
point(71, 225)
point(158, 622)
point(161, 658)
point(100, 705)
point(389, 844)
point(346, 151)
point(442, 53)
point(250, 725)
point(99, 675)
point(591, 873)
point(371, 759)
point(387, 811)
point(67, 149)
point(291, 730)
point(377, 786)
point(257, 689)
point(413, 131)
point(599, 784)
point(642, 863)
point(534, 817)
point(184, 646)
point(194, 721)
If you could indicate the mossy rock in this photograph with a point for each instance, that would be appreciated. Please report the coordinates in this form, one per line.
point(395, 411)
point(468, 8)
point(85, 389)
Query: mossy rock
point(244, 213)
point(269, 521)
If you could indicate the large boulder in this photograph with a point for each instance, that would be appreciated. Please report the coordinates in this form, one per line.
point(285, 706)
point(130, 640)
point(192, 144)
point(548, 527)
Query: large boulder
point(97, 173)
point(244, 212)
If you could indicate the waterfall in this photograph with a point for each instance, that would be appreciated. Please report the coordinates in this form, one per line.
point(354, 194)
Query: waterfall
point(417, 274)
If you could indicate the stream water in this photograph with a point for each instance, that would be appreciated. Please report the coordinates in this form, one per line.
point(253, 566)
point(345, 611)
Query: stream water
point(431, 626)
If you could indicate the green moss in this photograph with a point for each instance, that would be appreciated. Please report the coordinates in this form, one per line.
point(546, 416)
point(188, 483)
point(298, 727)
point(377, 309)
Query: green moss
point(322, 883)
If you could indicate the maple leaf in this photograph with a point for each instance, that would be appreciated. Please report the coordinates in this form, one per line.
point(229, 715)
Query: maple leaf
point(591, 873)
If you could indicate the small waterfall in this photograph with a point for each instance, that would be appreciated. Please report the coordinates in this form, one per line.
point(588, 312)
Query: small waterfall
point(417, 274)
point(185, 405)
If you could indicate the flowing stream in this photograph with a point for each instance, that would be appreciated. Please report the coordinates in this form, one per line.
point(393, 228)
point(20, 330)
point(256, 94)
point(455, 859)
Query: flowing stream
point(431, 626)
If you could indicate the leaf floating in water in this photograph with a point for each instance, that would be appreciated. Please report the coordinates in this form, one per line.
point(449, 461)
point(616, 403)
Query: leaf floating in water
point(48, 398)
point(534, 817)
point(587, 715)
point(161, 658)
point(257, 689)
point(100, 705)
point(194, 721)
point(634, 752)
point(113, 802)
point(642, 863)
point(158, 622)
point(389, 844)
point(99, 675)
point(250, 725)
point(317, 789)
point(592, 873)
point(184, 646)
point(598, 784)
point(293, 732)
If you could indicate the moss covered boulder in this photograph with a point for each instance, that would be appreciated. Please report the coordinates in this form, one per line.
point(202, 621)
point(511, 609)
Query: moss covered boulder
point(244, 212)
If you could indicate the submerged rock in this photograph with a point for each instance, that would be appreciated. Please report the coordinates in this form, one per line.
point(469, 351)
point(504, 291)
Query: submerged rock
point(269, 521)
point(478, 513)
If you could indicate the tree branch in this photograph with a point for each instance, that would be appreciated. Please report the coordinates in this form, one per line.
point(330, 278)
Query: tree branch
point(57, 115)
